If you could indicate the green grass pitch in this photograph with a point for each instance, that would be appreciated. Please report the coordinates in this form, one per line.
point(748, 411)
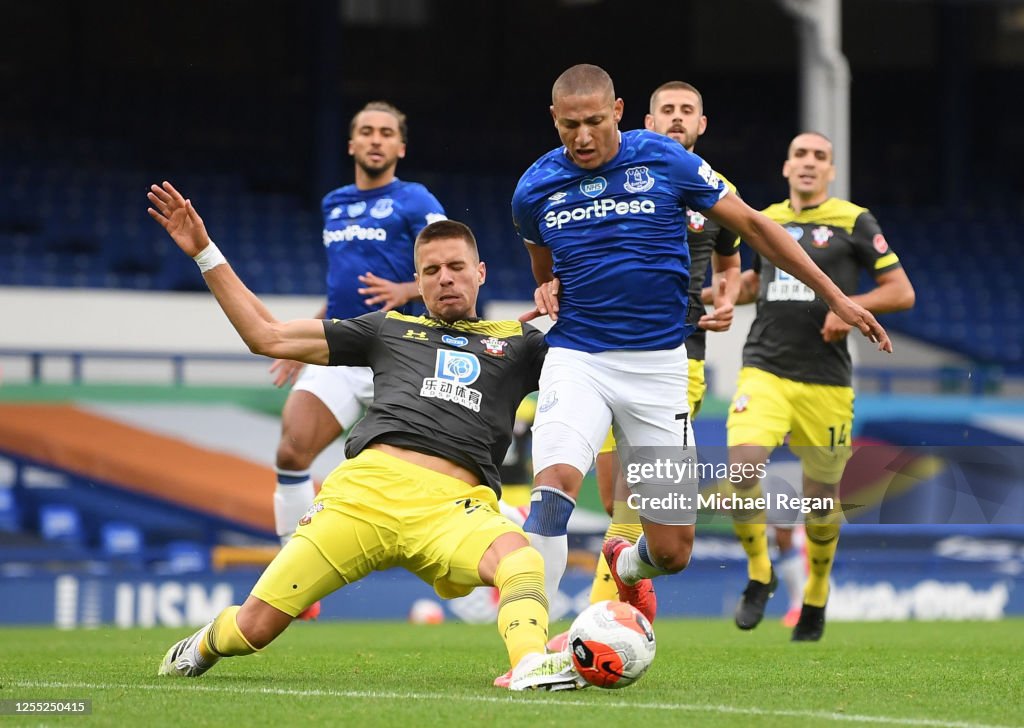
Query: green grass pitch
point(370, 674)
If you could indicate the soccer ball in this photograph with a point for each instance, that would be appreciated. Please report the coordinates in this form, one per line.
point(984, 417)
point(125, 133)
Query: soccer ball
point(426, 611)
point(612, 644)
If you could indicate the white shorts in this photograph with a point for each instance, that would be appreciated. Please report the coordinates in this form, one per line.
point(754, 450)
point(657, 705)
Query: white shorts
point(642, 394)
point(345, 391)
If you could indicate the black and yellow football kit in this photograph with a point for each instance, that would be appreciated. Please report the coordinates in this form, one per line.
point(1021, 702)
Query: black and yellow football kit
point(447, 390)
point(794, 382)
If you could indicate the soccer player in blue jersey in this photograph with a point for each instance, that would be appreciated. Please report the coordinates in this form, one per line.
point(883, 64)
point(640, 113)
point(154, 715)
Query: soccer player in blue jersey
point(604, 220)
point(368, 234)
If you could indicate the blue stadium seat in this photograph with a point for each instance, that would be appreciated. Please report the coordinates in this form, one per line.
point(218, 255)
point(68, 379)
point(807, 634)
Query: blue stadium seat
point(62, 524)
point(122, 542)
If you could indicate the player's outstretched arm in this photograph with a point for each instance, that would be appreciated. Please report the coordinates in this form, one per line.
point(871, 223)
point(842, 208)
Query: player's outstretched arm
point(545, 298)
point(301, 340)
point(774, 243)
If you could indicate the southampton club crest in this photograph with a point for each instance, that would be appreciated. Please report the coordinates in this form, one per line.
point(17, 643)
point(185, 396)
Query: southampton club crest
point(313, 510)
point(494, 346)
point(638, 179)
point(696, 220)
point(820, 236)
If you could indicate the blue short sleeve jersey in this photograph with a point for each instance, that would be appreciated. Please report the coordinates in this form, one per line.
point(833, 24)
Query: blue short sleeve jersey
point(372, 230)
point(617, 236)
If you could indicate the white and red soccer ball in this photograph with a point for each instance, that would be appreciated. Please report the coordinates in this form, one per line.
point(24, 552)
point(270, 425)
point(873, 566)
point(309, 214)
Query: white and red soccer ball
point(612, 644)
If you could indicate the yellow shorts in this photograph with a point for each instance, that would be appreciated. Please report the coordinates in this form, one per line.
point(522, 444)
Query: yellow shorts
point(375, 512)
point(695, 389)
point(817, 417)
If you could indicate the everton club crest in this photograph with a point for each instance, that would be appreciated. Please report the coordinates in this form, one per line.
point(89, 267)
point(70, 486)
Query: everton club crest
point(638, 179)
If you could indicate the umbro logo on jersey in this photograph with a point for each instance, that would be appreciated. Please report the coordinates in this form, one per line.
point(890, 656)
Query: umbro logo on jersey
point(357, 208)
point(335, 214)
point(593, 186)
point(558, 198)
point(638, 179)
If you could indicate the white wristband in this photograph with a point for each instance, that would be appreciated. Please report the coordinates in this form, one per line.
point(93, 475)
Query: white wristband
point(209, 258)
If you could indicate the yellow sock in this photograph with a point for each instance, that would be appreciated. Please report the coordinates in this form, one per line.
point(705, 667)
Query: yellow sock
point(224, 639)
point(625, 523)
point(749, 526)
point(822, 540)
point(522, 605)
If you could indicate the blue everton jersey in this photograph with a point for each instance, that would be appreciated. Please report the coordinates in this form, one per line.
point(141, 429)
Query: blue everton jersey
point(617, 236)
point(372, 230)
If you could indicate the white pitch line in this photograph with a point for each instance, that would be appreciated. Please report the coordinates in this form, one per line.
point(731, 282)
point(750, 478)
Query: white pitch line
point(550, 701)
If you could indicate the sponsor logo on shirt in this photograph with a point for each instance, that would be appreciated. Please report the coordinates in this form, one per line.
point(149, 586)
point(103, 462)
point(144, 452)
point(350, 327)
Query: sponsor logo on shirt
point(709, 175)
point(796, 231)
point(638, 179)
point(454, 371)
point(593, 186)
point(455, 340)
point(598, 209)
point(787, 288)
point(880, 243)
point(354, 232)
point(382, 208)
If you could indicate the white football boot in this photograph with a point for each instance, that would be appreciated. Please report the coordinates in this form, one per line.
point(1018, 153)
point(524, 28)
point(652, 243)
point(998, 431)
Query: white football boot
point(553, 671)
point(184, 658)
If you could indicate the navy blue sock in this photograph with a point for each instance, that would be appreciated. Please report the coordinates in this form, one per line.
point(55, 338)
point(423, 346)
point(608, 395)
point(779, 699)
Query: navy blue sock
point(550, 509)
point(641, 550)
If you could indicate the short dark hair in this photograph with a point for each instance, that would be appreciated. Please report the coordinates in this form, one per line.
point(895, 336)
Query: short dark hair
point(583, 79)
point(442, 230)
point(677, 86)
point(812, 132)
point(386, 107)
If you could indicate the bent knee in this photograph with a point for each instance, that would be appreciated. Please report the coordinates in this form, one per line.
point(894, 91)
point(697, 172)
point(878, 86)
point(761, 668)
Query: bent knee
point(293, 454)
point(673, 560)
